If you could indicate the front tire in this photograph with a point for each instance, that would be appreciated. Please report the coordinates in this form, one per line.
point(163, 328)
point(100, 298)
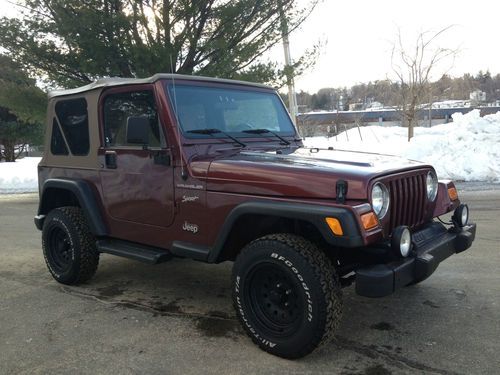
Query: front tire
point(69, 248)
point(286, 295)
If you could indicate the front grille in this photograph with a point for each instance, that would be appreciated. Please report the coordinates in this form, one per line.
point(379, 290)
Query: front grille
point(408, 200)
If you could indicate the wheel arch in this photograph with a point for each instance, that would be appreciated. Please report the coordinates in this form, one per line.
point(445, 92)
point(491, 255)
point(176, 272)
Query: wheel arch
point(251, 220)
point(58, 192)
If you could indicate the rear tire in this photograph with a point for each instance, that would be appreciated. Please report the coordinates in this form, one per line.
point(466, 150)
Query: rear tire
point(69, 248)
point(286, 295)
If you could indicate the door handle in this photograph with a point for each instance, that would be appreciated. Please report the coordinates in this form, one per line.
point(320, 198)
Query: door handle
point(110, 159)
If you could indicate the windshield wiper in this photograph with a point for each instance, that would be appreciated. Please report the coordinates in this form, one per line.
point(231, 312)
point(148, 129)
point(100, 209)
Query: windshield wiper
point(216, 131)
point(265, 131)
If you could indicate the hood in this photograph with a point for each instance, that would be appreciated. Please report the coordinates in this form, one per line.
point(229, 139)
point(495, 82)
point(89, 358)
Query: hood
point(302, 173)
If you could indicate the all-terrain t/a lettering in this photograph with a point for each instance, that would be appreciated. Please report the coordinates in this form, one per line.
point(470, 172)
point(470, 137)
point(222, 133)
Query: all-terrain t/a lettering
point(301, 279)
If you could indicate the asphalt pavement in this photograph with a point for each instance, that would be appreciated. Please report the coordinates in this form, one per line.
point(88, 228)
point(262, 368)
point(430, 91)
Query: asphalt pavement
point(177, 317)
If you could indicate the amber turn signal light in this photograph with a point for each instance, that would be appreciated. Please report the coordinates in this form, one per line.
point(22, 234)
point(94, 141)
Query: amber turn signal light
point(334, 225)
point(452, 193)
point(369, 220)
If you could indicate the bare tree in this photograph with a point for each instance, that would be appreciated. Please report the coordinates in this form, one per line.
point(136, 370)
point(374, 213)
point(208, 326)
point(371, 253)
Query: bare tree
point(414, 67)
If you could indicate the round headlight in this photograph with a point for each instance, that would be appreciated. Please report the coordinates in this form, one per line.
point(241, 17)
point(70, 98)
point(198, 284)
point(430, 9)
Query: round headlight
point(465, 216)
point(461, 215)
point(405, 244)
point(401, 241)
point(380, 199)
point(432, 185)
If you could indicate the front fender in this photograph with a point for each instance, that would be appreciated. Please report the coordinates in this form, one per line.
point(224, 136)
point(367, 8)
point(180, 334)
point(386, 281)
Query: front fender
point(314, 214)
point(444, 204)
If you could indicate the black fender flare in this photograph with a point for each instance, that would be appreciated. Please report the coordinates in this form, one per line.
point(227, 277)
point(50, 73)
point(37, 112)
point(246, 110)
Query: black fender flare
point(312, 213)
point(86, 197)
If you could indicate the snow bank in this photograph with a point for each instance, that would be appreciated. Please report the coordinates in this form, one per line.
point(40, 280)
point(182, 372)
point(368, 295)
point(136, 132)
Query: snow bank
point(467, 149)
point(19, 177)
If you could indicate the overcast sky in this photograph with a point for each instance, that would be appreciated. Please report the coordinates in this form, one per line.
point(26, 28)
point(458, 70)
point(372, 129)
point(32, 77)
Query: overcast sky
point(360, 34)
point(359, 37)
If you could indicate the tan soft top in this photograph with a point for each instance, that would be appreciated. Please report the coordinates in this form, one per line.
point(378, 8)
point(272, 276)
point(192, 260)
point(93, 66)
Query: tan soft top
point(116, 81)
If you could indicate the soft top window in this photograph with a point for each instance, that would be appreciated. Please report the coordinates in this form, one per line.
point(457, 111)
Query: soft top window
point(73, 118)
point(57, 144)
point(119, 107)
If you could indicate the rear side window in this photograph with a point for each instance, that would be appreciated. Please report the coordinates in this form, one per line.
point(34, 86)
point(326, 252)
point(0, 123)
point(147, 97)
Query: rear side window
point(120, 106)
point(73, 117)
point(57, 144)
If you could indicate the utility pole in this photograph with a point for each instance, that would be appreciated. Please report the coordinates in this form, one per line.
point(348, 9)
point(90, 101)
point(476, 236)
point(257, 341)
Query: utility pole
point(292, 99)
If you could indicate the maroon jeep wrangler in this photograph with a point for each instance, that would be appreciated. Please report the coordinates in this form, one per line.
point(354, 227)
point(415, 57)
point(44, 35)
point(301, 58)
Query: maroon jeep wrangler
point(214, 170)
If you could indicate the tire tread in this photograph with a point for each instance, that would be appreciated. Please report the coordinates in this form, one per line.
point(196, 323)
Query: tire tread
point(89, 256)
point(329, 282)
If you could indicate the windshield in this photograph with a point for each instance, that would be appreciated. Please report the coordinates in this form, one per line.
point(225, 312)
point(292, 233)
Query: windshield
point(227, 109)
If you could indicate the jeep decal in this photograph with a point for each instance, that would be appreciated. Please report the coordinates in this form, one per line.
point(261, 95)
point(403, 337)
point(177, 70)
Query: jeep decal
point(188, 227)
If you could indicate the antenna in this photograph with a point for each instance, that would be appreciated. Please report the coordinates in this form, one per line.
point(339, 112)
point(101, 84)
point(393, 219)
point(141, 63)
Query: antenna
point(183, 171)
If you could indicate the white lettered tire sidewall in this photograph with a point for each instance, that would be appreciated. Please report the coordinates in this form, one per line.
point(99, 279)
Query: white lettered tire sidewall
point(315, 303)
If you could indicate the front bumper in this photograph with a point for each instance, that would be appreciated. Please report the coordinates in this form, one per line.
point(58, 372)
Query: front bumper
point(431, 246)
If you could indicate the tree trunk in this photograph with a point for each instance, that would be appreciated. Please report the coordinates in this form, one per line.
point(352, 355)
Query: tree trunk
point(9, 152)
point(410, 129)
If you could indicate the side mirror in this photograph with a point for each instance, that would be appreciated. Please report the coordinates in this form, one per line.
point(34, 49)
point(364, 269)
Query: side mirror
point(138, 130)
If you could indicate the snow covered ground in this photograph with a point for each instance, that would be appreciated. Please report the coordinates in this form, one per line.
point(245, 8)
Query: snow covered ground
point(467, 149)
point(19, 177)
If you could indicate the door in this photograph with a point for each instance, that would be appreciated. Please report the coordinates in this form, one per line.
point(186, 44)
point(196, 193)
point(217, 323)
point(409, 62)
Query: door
point(137, 176)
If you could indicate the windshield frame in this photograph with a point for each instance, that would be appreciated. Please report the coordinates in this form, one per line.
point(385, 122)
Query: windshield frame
point(293, 133)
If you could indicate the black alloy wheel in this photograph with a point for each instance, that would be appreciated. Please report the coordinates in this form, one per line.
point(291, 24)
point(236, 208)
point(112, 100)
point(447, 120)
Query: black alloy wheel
point(273, 296)
point(286, 294)
point(59, 250)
